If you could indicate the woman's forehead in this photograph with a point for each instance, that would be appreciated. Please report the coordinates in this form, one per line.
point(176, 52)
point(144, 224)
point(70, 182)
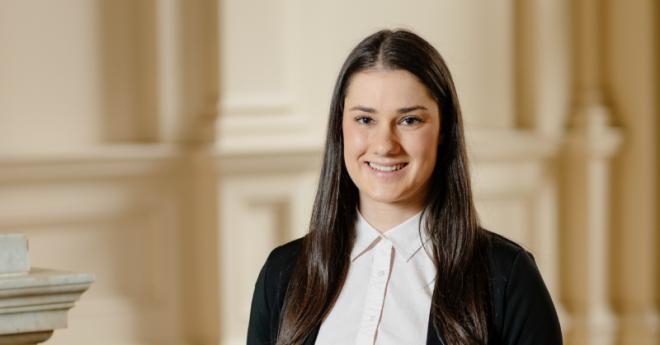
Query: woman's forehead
point(387, 88)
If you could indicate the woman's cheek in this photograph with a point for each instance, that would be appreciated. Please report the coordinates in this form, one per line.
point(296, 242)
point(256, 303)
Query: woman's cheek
point(422, 147)
point(355, 140)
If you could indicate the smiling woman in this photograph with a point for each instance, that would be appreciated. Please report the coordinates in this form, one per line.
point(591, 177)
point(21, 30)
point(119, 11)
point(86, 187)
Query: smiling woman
point(395, 253)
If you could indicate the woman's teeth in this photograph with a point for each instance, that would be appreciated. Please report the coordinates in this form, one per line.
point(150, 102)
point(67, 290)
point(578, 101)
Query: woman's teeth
point(386, 168)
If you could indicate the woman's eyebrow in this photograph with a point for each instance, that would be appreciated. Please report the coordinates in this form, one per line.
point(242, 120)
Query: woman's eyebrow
point(400, 110)
point(363, 109)
point(413, 108)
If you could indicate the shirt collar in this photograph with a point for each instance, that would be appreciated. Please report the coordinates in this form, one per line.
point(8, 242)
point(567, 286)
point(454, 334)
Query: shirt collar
point(405, 237)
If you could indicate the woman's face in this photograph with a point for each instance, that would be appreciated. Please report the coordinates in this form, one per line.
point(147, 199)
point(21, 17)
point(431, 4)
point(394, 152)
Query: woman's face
point(391, 128)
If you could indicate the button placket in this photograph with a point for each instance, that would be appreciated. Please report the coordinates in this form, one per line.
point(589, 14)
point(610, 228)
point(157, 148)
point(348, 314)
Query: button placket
point(375, 292)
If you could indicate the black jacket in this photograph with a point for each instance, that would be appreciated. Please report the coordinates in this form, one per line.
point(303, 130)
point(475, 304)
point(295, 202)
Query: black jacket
point(524, 313)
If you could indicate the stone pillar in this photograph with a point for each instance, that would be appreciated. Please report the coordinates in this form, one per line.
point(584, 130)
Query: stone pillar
point(33, 301)
point(542, 104)
point(633, 87)
point(187, 93)
point(186, 78)
point(590, 146)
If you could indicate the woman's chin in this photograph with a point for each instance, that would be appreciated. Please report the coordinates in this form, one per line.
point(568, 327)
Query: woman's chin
point(387, 198)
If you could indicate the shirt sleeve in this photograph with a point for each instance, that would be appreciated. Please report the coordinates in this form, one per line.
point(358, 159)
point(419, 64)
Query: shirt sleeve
point(259, 332)
point(530, 317)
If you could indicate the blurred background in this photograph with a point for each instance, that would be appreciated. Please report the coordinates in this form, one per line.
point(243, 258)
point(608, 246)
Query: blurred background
point(167, 146)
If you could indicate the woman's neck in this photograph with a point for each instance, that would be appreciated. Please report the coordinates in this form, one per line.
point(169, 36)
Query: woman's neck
point(385, 216)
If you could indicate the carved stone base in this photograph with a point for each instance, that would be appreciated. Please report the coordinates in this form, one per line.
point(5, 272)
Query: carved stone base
point(33, 301)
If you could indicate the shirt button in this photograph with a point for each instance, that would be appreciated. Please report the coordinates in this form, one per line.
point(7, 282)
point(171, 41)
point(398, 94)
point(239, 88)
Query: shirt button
point(380, 273)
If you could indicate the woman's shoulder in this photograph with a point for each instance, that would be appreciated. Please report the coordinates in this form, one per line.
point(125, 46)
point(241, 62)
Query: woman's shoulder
point(508, 261)
point(282, 257)
point(521, 301)
point(276, 272)
point(269, 292)
point(504, 253)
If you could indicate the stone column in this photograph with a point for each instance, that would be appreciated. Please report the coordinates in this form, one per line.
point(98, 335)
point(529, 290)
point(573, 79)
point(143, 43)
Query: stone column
point(542, 104)
point(185, 85)
point(186, 94)
point(33, 301)
point(590, 146)
point(633, 87)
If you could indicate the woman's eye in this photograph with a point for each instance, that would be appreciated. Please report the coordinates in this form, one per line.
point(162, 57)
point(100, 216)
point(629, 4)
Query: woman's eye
point(365, 120)
point(410, 120)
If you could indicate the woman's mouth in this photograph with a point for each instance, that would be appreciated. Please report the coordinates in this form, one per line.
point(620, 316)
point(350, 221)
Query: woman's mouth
point(386, 167)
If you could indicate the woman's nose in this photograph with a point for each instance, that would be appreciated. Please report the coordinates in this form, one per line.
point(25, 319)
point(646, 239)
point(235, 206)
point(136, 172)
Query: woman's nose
point(385, 141)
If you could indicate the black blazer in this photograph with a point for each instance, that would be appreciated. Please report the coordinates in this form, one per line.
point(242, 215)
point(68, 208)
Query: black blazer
point(524, 313)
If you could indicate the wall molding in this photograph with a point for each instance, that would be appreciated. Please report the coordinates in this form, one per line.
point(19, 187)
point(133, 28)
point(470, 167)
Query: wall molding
point(113, 160)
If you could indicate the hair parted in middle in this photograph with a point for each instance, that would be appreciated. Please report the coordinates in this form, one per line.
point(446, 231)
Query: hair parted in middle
point(460, 306)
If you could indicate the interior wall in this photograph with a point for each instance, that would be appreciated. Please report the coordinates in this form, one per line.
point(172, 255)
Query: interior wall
point(48, 78)
point(112, 161)
point(99, 159)
point(279, 67)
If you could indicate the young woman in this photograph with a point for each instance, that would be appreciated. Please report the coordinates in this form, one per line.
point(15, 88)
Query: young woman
point(395, 253)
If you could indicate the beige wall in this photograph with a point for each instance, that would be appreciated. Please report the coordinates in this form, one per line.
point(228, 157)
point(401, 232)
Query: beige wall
point(657, 147)
point(167, 146)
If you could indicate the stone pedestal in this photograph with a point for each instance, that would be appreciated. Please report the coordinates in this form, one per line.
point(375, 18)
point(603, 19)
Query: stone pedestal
point(33, 301)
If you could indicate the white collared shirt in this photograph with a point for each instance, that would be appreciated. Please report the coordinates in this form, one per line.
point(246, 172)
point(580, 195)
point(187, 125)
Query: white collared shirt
point(386, 298)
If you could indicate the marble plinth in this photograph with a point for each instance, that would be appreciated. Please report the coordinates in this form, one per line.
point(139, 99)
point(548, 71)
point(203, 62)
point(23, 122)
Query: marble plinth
point(33, 302)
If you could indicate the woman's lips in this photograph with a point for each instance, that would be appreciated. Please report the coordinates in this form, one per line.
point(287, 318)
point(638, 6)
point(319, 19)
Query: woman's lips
point(383, 167)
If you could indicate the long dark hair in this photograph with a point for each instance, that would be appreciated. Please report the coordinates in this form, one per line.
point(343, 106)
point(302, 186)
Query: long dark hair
point(460, 307)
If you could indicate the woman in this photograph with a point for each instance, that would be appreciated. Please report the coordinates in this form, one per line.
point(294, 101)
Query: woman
point(394, 253)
